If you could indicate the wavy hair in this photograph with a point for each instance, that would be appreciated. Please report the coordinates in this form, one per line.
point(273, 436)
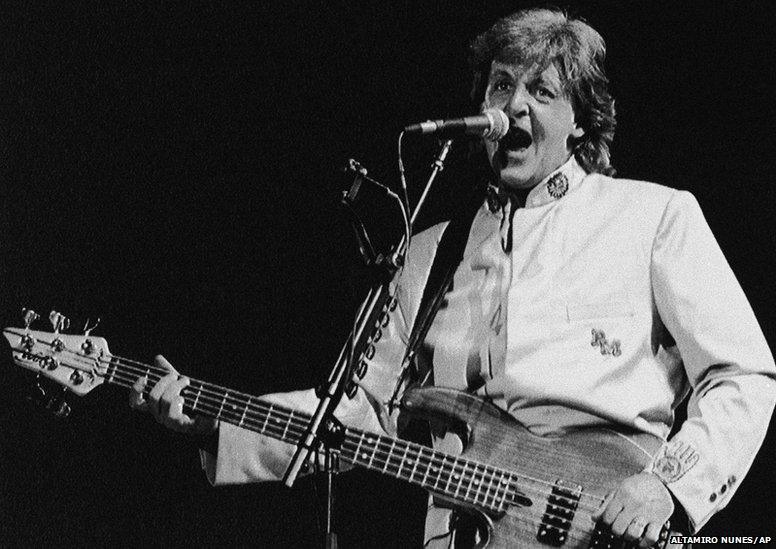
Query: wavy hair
point(542, 37)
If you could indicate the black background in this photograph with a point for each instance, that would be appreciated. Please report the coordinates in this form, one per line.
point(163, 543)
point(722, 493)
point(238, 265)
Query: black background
point(171, 168)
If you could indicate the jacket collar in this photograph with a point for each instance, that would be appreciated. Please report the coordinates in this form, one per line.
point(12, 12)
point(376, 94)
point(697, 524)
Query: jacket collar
point(566, 179)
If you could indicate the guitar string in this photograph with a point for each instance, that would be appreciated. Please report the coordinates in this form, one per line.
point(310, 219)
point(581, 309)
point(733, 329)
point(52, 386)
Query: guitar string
point(488, 471)
point(145, 369)
point(460, 469)
point(298, 424)
point(434, 463)
point(204, 391)
point(267, 427)
point(158, 371)
point(486, 474)
point(297, 430)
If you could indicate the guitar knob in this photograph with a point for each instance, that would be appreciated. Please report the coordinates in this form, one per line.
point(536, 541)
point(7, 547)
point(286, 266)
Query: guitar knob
point(76, 377)
point(28, 342)
point(58, 345)
point(50, 363)
point(87, 347)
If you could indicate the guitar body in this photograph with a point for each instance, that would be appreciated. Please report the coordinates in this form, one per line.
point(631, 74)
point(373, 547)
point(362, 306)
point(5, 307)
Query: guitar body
point(584, 466)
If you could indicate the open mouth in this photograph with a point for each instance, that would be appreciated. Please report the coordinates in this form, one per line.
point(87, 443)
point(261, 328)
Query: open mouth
point(516, 139)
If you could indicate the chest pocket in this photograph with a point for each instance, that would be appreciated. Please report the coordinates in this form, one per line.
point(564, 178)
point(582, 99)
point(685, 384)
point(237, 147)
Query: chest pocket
point(614, 308)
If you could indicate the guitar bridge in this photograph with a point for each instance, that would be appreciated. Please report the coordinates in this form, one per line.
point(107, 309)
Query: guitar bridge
point(561, 506)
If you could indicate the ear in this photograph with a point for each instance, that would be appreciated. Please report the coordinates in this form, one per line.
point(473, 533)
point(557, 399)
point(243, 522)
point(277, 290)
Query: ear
point(578, 131)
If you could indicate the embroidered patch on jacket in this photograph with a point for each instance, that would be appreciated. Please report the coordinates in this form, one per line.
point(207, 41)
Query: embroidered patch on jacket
point(607, 348)
point(674, 460)
point(558, 185)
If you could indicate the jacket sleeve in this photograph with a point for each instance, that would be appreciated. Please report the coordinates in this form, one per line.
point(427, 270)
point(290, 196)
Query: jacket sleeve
point(726, 360)
point(246, 456)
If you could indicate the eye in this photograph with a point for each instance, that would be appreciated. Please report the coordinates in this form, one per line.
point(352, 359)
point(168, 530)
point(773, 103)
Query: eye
point(502, 85)
point(545, 92)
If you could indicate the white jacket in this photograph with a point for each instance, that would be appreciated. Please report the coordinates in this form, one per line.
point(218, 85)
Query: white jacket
point(614, 301)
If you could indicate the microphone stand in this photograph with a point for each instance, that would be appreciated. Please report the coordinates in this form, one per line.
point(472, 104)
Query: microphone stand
point(324, 429)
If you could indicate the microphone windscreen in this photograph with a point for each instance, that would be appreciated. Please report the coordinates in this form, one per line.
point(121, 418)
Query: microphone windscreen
point(499, 124)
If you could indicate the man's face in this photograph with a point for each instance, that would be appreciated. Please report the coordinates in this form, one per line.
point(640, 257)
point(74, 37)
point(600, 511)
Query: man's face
point(542, 127)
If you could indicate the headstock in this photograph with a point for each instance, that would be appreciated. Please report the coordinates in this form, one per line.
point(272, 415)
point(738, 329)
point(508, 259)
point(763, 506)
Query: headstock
point(77, 362)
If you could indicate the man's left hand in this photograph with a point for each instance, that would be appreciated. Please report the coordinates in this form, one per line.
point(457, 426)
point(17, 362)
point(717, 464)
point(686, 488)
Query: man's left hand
point(638, 509)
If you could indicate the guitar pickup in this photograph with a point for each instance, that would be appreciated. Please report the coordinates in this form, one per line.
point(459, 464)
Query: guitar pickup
point(561, 506)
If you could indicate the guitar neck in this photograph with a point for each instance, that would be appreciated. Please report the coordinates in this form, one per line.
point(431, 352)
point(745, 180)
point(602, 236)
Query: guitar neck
point(82, 362)
point(454, 477)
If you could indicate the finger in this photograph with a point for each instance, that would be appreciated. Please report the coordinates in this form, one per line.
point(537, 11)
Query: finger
point(621, 523)
point(612, 511)
point(601, 508)
point(176, 419)
point(154, 396)
point(651, 535)
point(635, 529)
point(160, 388)
point(136, 398)
point(161, 361)
point(170, 402)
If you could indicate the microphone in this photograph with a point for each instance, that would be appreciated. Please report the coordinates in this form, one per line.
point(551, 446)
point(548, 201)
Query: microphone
point(492, 124)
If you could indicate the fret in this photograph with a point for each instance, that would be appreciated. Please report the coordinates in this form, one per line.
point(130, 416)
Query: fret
point(388, 457)
point(196, 397)
point(474, 481)
point(223, 401)
point(358, 446)
point(401, 461)
point(428, 466)
point(414, 466)
point(499, 486)
point(506, 483)
point(245, 409)
point(487, 490)
point(111, 369)
point(452, 472)
point(374, 451)
point(438, 470)
point(288, 422)
point(266, 419)
point(459, 475)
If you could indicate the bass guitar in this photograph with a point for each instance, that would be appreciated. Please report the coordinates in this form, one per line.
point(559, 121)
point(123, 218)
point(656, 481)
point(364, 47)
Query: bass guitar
point(524, 490)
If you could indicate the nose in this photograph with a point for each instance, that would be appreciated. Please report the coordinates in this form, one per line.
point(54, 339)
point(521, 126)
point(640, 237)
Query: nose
point(517, 106)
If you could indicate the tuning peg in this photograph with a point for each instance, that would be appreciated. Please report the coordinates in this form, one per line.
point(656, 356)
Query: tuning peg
point(29, 317)
point(88, 329)
point(58, 321)
point(76, 377)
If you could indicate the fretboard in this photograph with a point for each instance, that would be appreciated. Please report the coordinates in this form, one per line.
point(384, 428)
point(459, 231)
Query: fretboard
point(458, 478)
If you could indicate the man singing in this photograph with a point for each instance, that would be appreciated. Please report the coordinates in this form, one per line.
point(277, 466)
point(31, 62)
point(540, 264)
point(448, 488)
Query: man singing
point(580, 301)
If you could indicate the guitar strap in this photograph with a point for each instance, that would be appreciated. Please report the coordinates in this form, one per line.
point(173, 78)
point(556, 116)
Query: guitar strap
point(440, 278)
